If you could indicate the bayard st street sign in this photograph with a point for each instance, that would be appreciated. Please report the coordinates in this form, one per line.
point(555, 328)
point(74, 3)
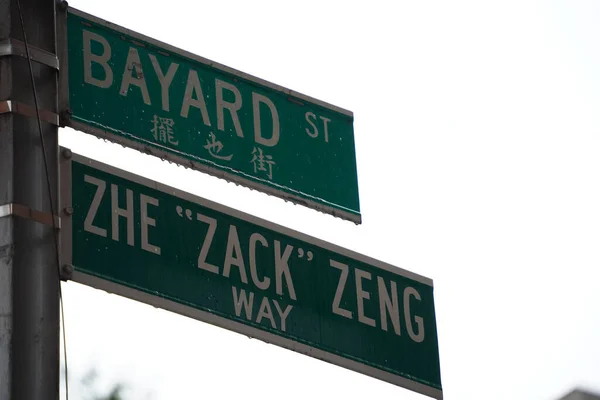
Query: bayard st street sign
point(150, 96)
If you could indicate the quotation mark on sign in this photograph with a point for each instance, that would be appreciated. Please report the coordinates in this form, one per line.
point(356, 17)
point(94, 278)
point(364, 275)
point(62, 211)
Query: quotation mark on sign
point(188, 212)
point(309, 254)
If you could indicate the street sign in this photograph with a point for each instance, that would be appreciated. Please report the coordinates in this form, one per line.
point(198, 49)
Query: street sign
point(144, 94)
point(140, 239)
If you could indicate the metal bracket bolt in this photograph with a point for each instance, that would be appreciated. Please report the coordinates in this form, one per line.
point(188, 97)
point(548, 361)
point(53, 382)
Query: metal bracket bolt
point(66, 272)
point(67, 154)
point(68, 211)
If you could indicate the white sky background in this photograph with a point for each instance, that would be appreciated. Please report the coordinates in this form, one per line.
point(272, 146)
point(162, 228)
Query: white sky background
point(477, 128)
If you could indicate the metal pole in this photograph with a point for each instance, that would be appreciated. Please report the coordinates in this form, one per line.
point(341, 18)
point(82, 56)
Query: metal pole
point(29, 282)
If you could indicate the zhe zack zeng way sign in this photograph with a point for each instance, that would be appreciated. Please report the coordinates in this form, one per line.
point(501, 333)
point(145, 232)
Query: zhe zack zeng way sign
point(155, 244)
point(150, 96)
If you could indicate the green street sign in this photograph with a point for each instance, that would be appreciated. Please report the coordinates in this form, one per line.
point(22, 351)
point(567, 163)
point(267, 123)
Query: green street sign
point(140, 239)
point(144, 94)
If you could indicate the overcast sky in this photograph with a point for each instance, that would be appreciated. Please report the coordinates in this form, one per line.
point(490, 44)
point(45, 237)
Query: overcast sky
point(477, 128)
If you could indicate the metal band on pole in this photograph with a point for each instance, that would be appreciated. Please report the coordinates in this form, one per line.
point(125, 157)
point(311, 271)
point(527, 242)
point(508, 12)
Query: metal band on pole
point(13, 47)
point(10, 106)
point(19, 210)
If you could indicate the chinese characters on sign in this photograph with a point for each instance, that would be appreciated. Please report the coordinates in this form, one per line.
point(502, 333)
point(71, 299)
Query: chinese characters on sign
point(214, 147)
point(262, 162)
point(163, 130)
